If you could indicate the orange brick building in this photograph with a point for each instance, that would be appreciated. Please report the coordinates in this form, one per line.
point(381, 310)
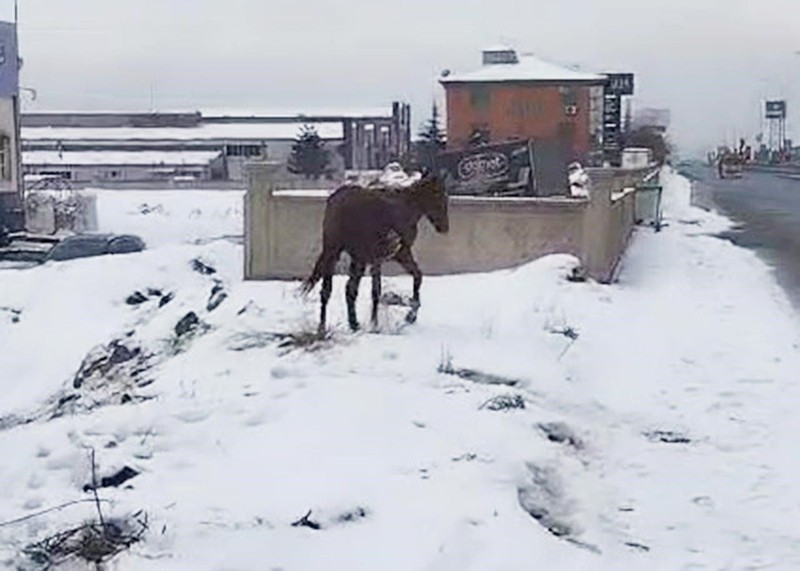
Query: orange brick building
point(513, 98)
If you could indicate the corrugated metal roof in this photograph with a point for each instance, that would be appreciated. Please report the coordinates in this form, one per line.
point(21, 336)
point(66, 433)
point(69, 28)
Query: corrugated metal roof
point(207, 132)
point(118, 158)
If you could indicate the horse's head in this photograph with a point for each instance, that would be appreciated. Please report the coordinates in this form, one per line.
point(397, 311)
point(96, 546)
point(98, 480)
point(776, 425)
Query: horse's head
point(430, 195)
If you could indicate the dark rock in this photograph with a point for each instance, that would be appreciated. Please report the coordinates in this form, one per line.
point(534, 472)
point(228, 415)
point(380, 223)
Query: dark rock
point(218, 295)
point(126, 398)
point(188, 323)
point(560, 433)
point(352, 515)
point(667, 437)
point(577, 275)
point(637, 546)
point(478, 376)
point(503, 402)
point(115, 480)
point(306, 521)
point(121, 354)
point(152, 292)
point(166, 299)
point(202, 268)
point(67, 398)
point(569, 332)
point(136, 298)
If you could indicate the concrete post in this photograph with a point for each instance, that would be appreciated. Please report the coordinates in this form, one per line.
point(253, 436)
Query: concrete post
point(597, 231)
point(259, 229)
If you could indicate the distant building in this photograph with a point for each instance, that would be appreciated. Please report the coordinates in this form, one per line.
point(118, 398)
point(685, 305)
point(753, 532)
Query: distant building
point(211, 145)
point(515, 97)
point(651, 117)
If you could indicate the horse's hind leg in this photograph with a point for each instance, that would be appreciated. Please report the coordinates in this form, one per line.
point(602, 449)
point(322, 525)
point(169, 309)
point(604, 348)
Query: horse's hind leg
point(325, 296)
point(328, 267)
point(376, 292)
point(356, 273)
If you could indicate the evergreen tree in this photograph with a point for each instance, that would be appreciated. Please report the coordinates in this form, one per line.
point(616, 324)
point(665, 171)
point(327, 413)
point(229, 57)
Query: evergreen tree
point(309, 156)
point(431, 140)
point(432, 133)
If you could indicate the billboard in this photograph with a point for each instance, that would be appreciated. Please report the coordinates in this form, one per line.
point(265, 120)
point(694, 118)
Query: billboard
point(776, 109)
point(619, 84)
point(489, 170)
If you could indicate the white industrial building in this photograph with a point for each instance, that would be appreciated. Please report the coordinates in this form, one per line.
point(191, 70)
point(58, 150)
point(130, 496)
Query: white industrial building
point(125, 148)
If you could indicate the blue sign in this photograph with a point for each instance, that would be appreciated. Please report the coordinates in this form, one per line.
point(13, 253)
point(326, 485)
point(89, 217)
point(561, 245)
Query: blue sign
point(9, 60)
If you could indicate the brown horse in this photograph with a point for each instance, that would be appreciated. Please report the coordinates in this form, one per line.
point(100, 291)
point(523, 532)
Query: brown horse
point(373, 226)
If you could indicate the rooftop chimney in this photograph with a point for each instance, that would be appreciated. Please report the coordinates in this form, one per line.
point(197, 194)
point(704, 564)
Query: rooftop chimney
point(499, 55)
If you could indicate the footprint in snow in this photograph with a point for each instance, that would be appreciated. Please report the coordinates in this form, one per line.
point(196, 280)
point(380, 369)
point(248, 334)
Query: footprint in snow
point(193, 416)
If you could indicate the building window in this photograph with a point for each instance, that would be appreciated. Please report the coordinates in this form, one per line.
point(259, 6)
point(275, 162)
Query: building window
point(480, 96)
point(67, 175)
point(569, 96)
point(5, 157)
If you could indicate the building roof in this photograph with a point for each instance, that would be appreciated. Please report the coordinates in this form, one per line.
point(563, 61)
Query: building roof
point(294, 113)
point(118, 158)
point(204, 132)
point(529, 68)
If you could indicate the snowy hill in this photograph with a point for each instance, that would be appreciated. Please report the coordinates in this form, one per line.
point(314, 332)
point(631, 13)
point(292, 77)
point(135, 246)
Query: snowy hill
point(524, 422)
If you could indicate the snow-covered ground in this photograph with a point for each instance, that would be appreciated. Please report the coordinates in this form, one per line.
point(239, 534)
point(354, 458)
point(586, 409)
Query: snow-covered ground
point(661, 438)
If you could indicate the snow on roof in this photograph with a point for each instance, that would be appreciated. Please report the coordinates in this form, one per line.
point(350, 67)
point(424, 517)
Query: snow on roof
point(132, 158)
point(294, 112)
point(206, 132)
point(529, 68)
point(215, 112)
point(499, 48)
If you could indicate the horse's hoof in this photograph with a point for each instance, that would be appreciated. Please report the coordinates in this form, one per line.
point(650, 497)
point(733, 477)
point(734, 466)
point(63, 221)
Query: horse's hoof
point(354, 327)
point(411, 316)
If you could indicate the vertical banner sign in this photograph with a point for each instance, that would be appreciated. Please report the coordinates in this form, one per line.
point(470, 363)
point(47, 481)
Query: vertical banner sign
point(617, 86)
point(9, 60)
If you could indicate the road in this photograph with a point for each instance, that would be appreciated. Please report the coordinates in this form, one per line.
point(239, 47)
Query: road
point(767, 207)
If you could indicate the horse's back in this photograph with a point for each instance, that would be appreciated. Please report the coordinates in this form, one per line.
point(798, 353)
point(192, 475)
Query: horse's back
point(355, 216)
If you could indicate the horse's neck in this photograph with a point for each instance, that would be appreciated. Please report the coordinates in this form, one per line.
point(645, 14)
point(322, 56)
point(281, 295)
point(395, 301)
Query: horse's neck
point(411, 213)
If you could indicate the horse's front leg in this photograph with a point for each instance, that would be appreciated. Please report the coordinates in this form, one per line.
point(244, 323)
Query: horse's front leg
point(356, 273)
point(376, 291)
point(406, 259)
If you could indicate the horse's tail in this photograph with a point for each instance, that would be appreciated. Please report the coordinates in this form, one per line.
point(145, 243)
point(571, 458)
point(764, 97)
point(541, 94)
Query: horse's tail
point(316, 275)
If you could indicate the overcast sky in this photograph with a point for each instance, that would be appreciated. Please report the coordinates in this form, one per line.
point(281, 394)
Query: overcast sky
point(710, 61)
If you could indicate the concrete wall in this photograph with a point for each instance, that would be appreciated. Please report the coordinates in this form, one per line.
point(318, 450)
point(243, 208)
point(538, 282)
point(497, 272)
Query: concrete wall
point(283, 229)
